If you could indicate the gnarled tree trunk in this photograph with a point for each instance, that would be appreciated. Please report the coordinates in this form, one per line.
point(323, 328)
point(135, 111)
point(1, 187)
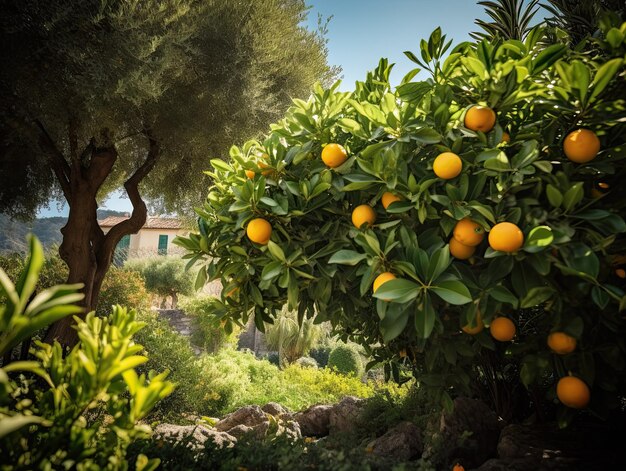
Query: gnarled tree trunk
point(87, 251)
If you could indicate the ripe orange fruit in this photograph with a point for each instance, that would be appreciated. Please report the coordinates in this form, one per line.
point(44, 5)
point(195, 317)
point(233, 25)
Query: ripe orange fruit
point(382, 279)
point(506, 137)
point(363, 214)
point(573, 392)
point(620, 272)
point(468, 329)
point(468, 232)
point(506, 237)
point(250, 174)
point(561, 343)
point(461, 251)
point(502, 329)
point(581, 146)
point(389, 198)
point(447, 165)
point(266, 173)
point(334, 155)
point(259, 231)
point(402, 353)
point(480, 118)
point(458, 467)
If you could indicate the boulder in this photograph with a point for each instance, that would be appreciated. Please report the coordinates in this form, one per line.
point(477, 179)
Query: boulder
point(291, 428)
point(402, 442)
point(248, 415)
point(239, 431)
point(314, 421)
point(344, 416)
point(275, 409)
point(470, 432)
point(512, 464)
point(197, 434)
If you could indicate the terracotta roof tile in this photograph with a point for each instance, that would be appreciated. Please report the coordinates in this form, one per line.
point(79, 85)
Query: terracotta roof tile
point(151, 222)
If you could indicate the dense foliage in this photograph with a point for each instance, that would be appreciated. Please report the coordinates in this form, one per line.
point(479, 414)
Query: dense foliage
point(164, 276)
point(208, 330)
point(221, 382)
point(552, 272)
point(346, 360)
point(124, 287)
point(70, 409)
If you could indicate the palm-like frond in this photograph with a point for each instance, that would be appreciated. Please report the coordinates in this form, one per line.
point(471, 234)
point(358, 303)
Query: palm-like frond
point(580, 18)
point(511, 19)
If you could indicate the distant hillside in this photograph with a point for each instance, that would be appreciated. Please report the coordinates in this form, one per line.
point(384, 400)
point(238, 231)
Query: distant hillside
point(48, 230)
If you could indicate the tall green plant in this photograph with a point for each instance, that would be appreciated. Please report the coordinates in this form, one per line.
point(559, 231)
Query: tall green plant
point(511, 19)
point(291, 339)
point(77, 409)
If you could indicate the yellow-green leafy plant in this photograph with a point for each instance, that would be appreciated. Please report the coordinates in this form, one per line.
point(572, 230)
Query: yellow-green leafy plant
point(70, 409)
point(449, 224)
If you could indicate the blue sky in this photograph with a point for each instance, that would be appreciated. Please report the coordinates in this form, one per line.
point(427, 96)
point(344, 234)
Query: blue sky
point(361, 32)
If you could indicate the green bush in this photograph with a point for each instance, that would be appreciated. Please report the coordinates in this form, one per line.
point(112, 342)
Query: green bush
point(306, 362)
point(164, 276)
point(210, 330)
point(53, 272)
point(346, 360)
point(77, 409)
point(320, 355)
point(123, 287)
point(167, 349)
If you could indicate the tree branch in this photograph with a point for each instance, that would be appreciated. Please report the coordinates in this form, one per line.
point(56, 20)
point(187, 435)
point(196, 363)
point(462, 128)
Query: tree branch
point(140, 211)
point(72, 133)
point(57, 160)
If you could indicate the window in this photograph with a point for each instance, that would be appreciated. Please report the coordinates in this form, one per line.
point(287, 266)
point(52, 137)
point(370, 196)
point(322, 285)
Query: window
point(162, 244)
point(121, 251)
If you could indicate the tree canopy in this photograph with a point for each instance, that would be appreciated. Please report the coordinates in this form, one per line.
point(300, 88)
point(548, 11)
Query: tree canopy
point(200, 75)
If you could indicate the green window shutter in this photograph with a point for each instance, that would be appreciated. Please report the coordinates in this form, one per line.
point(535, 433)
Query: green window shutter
point(163, 245)
point(121, 251)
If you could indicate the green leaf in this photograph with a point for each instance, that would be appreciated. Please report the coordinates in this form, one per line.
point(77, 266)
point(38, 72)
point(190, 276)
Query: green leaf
point(502, 294)
point(536, 295)
point(573, 196)
point(15, 422)
point(347, 257)
point(398, 290)
point(414, 91)
point(425, 318)
point(394, 322)
point(604, 75)
point(453, 292)
point(538, 238)
point(271, 270)
point(547, 57)
point(555, 198)
point(276, 251)
point(439, 261)
point(221, 165)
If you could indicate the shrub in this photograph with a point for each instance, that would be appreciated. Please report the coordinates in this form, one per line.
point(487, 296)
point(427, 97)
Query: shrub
point(53, 272)
point(346, 360)
point(167, 349)
point(290, 338)
point(164, 276)
point(123, 287)
point(79, 408)
point(540, 214)
point(306, 362)
point(210, 330)
point(320, 355)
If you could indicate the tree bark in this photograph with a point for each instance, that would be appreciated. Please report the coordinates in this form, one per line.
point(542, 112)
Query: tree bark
point(86, 250)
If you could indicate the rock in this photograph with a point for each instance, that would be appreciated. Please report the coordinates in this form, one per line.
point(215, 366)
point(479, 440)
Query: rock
point(198, 434)
point(291, 428)
point(275, 409)
point(239, 430)
point(548, 446)
point(470, 432)
point(512, 464)
point(403, 442)
point(314, 421)
point(248, 415)
point(344, 416)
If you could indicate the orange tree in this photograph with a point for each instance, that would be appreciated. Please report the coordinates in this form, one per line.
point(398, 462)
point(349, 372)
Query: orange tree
point(484, 196)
